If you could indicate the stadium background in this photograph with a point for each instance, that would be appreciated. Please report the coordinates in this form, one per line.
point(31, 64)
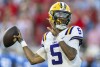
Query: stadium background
point(30, 17)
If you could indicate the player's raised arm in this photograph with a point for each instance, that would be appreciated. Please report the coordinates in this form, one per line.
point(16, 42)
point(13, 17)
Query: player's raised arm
point(12, 35)
point(33, 58)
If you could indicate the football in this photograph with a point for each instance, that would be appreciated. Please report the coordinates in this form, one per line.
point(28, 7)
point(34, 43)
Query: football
point(9, 37)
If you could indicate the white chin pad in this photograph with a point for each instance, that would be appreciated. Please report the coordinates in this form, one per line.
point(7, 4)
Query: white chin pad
point(61, 26)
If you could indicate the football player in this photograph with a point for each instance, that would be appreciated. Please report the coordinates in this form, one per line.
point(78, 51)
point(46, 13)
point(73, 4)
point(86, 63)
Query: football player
point(60, 46)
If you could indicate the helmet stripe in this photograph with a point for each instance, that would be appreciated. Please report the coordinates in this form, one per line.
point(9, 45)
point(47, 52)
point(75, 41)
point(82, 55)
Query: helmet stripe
point(60, 4)
point(64, 6)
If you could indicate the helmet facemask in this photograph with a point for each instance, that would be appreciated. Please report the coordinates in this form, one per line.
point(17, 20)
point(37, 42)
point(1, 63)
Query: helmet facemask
point(61, 19)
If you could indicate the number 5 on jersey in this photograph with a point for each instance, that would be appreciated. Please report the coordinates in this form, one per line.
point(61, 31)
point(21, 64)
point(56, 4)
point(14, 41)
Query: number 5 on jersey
point(58, 54)
point(79, 30)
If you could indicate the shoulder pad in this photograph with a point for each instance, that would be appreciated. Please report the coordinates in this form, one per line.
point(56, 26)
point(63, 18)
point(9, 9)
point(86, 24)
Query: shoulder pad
point(77, 31)
point(44, 36)
point(74, 31)
point(69, 30)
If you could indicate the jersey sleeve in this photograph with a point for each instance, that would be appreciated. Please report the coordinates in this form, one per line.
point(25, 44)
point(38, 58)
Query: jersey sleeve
point(74, 37)
point(77, 31)
point(77, 34)
point(42, 51)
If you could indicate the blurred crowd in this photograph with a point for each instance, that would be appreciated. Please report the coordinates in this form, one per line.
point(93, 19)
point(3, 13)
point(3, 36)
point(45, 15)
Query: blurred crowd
point(30, 16)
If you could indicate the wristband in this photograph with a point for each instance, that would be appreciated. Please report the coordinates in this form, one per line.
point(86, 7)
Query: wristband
point(23, 43)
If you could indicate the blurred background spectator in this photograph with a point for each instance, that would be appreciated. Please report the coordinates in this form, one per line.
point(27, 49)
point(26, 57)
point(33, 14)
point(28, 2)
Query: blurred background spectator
point(30, 16)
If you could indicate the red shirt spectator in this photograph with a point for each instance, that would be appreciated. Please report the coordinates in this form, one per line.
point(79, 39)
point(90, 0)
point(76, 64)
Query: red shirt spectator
point(12, 7)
